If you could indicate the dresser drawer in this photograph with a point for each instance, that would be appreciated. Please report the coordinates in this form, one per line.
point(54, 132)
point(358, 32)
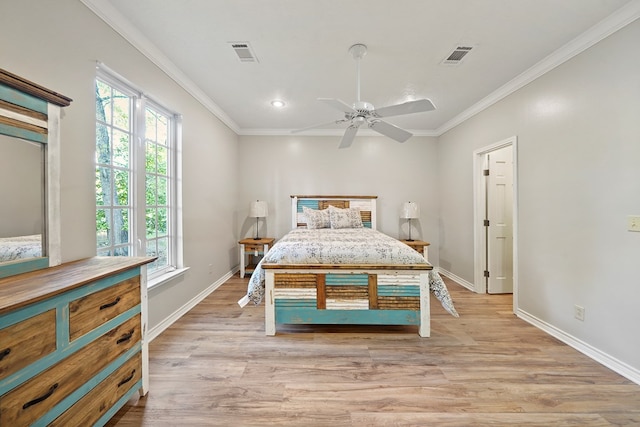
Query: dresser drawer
point(91, 311)
point(34, 398)
point(26, 342)
point(94, 404)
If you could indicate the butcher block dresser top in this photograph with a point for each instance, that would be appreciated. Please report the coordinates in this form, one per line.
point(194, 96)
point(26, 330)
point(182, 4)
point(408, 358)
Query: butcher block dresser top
point(27, 288)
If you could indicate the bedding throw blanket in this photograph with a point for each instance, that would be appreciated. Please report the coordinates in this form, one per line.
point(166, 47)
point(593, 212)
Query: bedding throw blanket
point(342, 246)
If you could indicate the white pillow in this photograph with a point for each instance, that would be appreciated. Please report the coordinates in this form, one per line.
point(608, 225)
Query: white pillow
point(316, 218)
point(345, 218)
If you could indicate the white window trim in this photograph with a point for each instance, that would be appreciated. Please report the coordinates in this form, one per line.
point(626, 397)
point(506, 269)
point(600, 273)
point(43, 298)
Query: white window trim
point(105, 73)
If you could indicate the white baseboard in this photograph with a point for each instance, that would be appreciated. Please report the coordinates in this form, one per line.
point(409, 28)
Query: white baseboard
point(169, 320)
point(584, 348)
point(459, 280)
point(599, 356)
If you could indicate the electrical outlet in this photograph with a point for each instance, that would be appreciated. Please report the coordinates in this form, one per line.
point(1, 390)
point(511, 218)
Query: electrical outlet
point(633, 222)
point(578, 312)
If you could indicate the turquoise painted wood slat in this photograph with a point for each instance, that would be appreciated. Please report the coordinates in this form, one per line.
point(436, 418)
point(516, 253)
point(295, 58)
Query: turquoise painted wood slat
point(62, 324)
point(311, 204)
point(22, 99)
point(347, 279)
point(23, 267)
point(23, 133)
point(398, 291)
point(366, 224)
point(352, 317)
point(68, 401)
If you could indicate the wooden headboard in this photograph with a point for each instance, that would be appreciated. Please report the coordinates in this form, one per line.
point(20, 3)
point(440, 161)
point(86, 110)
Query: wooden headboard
point(366, 204)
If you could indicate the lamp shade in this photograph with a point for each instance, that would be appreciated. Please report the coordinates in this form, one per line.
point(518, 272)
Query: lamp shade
point(410, 210)
point(259, 209)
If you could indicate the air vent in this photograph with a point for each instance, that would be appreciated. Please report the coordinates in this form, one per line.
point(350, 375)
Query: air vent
point(244, 51)
point(457, 55)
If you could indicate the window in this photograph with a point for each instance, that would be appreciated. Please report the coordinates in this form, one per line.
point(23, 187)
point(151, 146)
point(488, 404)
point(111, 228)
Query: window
point(157, 178)
point(136, 204)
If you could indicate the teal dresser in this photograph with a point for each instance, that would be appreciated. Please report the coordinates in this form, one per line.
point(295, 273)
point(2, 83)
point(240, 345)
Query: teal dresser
point(72, 342)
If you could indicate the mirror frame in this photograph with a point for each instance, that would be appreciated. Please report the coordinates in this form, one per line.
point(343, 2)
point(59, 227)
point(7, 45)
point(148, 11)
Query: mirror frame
point(32, 112)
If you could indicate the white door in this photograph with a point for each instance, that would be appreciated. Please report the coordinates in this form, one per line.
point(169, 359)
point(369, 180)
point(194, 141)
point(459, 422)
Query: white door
point(500, 221)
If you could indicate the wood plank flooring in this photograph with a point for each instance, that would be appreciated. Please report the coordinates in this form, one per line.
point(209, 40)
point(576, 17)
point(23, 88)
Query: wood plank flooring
point(215, 367)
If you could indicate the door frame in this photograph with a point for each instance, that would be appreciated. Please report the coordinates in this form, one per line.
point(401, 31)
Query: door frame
point(479, 196)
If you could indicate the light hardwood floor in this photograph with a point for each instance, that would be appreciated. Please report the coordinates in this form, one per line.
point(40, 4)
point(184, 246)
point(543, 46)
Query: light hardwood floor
point(215, 366)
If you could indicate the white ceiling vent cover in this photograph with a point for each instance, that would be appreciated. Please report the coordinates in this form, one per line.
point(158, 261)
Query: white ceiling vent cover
point(457, 55)
point(244, 51)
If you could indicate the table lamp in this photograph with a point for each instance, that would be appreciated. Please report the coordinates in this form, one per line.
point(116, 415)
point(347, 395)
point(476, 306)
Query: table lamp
point(258, 209)
point(410, 210)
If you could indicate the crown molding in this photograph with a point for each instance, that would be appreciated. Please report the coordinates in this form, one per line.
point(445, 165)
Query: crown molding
point(113, 18)
point(323, 132)
point(614, 22)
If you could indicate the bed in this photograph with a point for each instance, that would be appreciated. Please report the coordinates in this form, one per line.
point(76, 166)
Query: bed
point(20, 247)
point(333, 267)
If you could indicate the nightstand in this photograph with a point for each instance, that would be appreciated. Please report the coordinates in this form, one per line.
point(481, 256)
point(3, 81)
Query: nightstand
point(420, 246)
point(251, 250)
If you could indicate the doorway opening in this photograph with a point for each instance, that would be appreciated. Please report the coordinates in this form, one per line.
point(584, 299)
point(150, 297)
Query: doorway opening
point(495, 218)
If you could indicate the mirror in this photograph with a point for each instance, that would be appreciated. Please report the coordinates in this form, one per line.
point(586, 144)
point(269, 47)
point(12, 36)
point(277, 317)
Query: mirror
point(29, 175)
point(22, 191)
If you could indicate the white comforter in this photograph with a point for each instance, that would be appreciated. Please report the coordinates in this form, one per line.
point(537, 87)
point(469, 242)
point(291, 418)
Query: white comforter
point(342, 246)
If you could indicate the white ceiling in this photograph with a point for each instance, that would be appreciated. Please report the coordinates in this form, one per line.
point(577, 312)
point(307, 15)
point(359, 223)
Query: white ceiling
point(302, 48)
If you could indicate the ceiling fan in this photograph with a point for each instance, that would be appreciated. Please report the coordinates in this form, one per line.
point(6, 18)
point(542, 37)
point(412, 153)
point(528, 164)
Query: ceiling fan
point(362, 112)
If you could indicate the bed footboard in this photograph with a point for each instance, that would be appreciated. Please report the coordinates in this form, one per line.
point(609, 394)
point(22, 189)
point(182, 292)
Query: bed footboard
point(362, 296)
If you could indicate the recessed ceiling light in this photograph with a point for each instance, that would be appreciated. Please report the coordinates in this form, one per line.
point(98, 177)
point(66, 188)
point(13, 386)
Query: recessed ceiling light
point(278, 103)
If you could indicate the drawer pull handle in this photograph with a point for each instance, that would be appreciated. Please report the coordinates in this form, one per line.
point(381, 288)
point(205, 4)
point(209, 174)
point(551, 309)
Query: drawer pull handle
point(4, 353)
point(111, 304)
point(126, 380)
point(125, 337)
point(41, 398)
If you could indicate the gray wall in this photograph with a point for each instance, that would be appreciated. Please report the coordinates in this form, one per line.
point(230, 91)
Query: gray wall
point(21, 191)
point(274, 168)
point(56, 44)
point(578, 130)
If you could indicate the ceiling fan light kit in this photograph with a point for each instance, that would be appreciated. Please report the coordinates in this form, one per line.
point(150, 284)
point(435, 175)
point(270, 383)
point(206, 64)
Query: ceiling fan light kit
point(361, 112)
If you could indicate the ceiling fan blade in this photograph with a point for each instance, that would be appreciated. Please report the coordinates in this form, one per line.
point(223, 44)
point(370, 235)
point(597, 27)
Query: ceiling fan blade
point(410, 107)
point(348, 136)
point(338, 105)
point(393, 132)
point(320, 125)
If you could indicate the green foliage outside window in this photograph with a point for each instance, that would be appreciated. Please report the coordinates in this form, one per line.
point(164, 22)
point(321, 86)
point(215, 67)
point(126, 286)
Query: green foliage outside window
point(113, 111)
point(114, 177)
